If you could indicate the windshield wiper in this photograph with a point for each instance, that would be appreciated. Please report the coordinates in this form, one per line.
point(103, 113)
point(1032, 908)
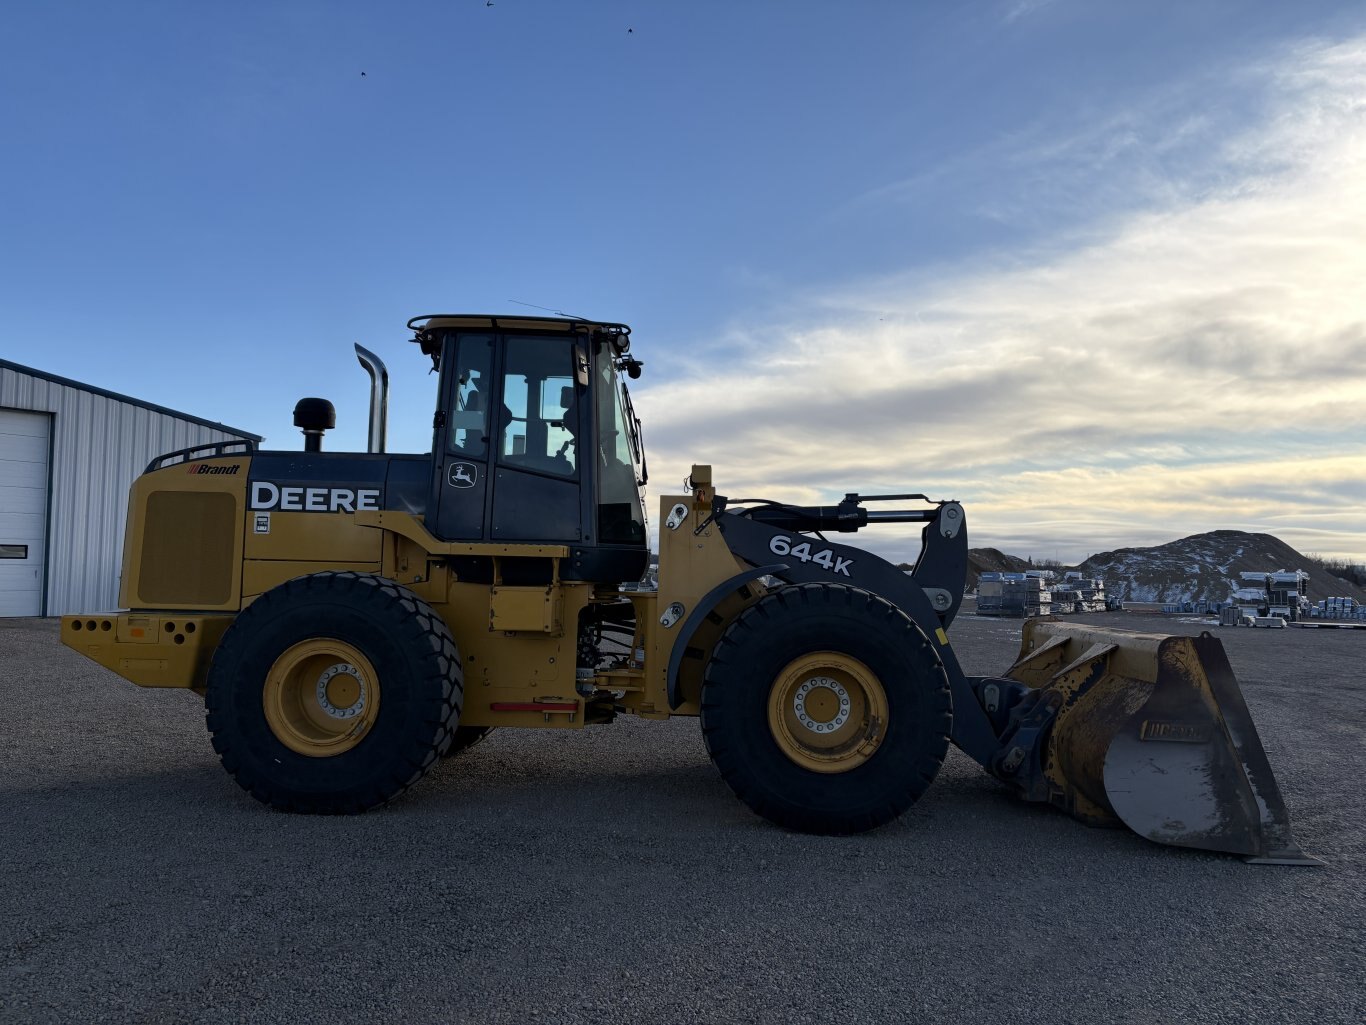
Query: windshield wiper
point(637, 435)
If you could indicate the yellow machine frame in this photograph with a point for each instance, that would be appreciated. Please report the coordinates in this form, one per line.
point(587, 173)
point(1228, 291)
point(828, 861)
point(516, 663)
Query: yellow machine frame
point(518, 644)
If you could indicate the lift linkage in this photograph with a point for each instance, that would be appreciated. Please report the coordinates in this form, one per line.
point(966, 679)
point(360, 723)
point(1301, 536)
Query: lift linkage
point(845, 518)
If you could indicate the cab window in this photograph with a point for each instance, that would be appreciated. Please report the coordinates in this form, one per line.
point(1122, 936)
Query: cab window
point(468, 420)
point(538, 418)
point(621, 518)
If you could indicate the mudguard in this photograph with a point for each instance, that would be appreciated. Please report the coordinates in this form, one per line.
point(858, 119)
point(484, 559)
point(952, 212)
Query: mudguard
point(700, 611)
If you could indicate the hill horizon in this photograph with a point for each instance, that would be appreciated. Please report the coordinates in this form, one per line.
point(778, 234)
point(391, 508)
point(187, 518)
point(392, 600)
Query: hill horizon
point(1197, 567)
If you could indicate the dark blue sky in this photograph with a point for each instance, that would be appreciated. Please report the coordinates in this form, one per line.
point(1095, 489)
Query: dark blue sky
point(206, 205)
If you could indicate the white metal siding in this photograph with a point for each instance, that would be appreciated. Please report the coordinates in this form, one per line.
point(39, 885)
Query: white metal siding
point(99, 445)
point(23, 510)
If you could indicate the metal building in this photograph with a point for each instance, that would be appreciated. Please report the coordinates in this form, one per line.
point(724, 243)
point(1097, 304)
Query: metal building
point(68, 453)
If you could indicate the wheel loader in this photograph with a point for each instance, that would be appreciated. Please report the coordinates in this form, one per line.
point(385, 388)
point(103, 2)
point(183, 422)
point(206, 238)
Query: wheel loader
point(351, 618)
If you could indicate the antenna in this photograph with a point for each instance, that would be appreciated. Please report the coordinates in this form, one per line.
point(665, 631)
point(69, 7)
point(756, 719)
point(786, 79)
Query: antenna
point(558, 313)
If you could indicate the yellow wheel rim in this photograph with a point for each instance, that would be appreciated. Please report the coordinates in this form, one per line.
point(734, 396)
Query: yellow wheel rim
point(827, 711)
point(321, 697)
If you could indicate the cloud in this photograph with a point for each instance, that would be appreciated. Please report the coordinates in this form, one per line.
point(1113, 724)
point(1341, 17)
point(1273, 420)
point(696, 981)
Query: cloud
point(1023, 8)
point(1197, 363)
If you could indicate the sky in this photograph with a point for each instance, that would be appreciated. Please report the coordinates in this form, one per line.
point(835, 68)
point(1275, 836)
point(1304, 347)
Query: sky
point(1097, 270)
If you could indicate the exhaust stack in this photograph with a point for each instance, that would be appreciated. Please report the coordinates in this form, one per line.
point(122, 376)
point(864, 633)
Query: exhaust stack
point(379, 398)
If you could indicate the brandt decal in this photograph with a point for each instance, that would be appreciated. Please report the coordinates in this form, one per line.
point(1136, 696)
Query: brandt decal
point(265, 495)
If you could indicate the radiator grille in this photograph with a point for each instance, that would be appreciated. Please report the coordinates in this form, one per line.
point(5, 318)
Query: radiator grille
point(187, 548)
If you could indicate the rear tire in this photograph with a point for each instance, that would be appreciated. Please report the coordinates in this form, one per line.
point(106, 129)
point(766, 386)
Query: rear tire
point(465, 737)
point(333, 693)
point(826, 709)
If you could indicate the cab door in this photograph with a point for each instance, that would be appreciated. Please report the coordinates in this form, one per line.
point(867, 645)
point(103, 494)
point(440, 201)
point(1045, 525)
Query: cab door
point(539, 442)
point(461, 442)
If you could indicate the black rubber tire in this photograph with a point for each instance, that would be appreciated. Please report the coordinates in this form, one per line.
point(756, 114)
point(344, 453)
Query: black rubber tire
point(783, 626)
point(466, 737)
point(420, 679)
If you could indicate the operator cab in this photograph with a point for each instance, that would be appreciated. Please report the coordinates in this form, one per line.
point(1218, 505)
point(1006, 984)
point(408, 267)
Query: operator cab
point(535, 440)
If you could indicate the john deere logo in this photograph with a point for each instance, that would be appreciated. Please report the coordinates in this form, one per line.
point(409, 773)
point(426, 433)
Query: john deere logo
point(463, 475)
point(265, 495)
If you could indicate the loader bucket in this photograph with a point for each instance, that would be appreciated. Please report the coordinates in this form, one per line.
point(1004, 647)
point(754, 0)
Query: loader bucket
point(1151, 730)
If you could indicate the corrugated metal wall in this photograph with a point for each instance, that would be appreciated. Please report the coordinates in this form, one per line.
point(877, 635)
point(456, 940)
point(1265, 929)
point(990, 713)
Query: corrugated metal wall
point(99, 445)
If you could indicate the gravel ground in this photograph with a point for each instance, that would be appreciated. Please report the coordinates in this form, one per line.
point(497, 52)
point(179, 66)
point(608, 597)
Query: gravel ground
point(609, 875)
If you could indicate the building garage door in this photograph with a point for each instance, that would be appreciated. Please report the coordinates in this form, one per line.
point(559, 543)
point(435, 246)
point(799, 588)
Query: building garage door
point(23, 510)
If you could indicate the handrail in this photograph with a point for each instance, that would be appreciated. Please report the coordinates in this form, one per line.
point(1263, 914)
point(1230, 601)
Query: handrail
point(209, 451)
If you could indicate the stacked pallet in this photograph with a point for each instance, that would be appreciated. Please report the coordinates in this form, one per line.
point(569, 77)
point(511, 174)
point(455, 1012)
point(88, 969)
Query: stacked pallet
point(1286, 593)
point(1338, 608)
point(1280, 593)
point(1079, 594)
point(1203, 607)
point(1014, 594)
point(1250, 601)
point(1234, 615)
point(990, 591)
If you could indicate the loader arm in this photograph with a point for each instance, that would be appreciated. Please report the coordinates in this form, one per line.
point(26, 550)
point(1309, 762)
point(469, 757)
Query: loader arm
point(1114, 727)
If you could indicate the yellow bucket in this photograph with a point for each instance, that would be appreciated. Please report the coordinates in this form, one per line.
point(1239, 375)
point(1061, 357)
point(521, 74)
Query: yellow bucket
point(1149, 730)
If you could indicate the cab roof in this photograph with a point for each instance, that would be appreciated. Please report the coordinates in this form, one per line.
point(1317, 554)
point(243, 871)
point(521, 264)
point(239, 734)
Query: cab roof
point(427, 329)
point(518, 322)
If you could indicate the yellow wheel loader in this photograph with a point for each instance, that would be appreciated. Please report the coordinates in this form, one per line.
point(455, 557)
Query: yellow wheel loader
point(350, 618)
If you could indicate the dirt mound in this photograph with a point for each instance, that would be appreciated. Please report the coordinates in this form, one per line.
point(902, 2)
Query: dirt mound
point(1206, 566)
point(1202, 566)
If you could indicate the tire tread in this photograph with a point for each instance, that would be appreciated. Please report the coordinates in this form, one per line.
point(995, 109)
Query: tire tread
point(726, 670)
point(418, 629)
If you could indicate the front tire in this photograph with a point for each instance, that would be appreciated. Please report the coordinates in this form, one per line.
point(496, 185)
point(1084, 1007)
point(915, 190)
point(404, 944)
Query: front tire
point(333, 693)
point(826, 709)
